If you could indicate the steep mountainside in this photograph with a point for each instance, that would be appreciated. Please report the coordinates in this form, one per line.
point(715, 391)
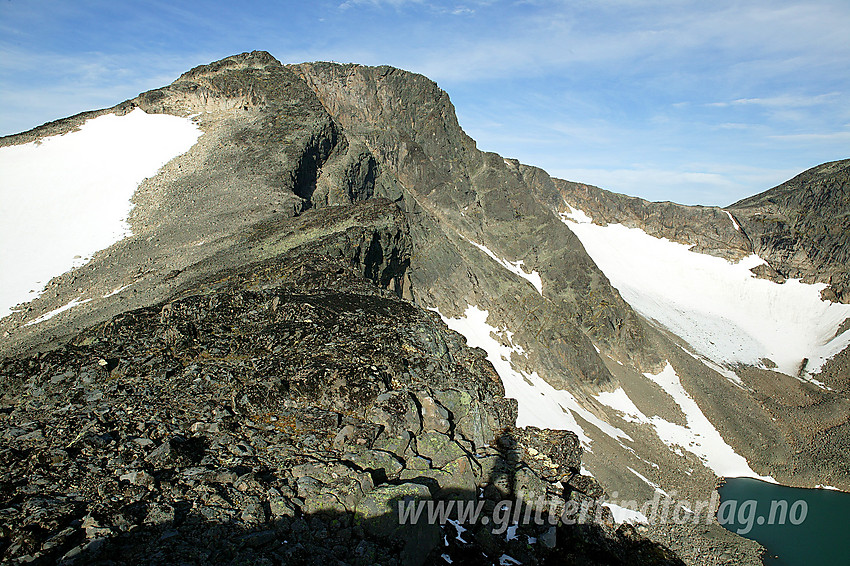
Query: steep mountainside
point(458, 197)
point(718, 311)
point(282, 270)
point(802, 227)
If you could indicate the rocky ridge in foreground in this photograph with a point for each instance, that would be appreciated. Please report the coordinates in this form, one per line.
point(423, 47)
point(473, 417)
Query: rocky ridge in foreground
point(278, 417)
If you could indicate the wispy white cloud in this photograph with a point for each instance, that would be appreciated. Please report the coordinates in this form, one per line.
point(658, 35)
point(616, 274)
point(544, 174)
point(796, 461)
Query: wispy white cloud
point(689, 38)
point(814, 137)
point(735, 126)
point(457, 9)
point(783, 101)
point(393, 3)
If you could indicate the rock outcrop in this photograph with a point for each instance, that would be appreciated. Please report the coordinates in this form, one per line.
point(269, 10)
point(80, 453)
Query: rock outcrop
point(279, 414)
point(802, 228)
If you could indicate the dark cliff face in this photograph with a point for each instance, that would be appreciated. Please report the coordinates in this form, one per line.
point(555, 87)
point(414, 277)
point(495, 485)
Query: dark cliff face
point(802, 227)
point(454, 195)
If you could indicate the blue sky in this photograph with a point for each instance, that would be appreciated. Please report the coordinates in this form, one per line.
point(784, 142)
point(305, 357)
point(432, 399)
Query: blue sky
point(692, 101)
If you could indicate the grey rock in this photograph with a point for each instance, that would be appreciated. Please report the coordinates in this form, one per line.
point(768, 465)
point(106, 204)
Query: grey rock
point(435, 418)
point(397, 444)
point(139, 477)
point(376, 460)
point(586, 485)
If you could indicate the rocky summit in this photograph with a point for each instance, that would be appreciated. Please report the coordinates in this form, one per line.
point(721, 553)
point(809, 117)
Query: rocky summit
point(334, 318)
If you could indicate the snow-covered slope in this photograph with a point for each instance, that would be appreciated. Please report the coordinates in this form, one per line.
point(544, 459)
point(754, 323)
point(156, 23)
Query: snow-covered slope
point(543, 406)
point(540, 404)
point(66, 197)
point(699, 436)
point(721, 309)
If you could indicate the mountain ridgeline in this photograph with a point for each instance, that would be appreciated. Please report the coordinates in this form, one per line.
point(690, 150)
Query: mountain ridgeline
point(266, 366)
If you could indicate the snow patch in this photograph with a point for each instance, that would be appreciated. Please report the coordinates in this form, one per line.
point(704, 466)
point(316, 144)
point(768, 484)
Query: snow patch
point(699, 436)
point(721, 309)
point(620, 402)
point(540, 404)
point(647, 481)
point(66, 197)
point(515, 267)
point(625, 515)
point(48, 315)
point(733, 377)
point(732, 218)
point(576, 215)
point(460, 529)
point(115, 291)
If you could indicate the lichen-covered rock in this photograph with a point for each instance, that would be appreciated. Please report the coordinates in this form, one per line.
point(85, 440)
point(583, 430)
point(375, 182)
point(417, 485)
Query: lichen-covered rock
point(586, 485)
point(438, 448)
point(396, 411)
point(554, 454)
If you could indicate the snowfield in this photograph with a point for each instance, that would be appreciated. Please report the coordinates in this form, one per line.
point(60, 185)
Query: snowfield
point(543, 406)
point(54, 312)
point(540, 404)
point(721, 309)
point(625, 514)
point(63, 198)
point(698, 436)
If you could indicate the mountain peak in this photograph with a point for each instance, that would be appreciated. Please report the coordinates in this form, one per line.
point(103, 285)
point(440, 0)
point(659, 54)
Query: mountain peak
point(248, 59)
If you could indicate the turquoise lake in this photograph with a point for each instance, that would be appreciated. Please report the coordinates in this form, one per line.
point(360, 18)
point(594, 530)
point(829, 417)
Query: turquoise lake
point(810, 525)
